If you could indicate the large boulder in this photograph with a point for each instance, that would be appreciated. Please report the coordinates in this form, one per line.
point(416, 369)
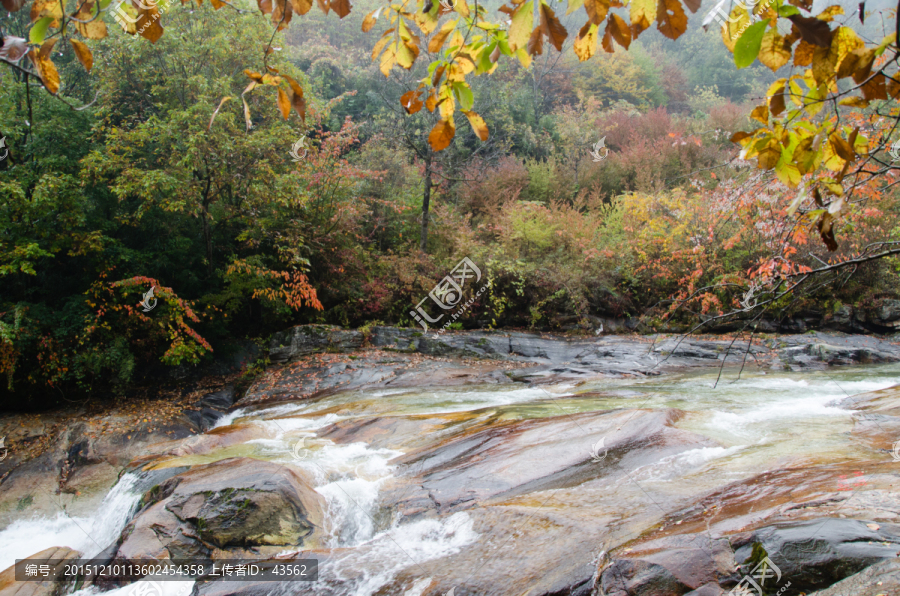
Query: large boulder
point(817, 553)
point(230, 504)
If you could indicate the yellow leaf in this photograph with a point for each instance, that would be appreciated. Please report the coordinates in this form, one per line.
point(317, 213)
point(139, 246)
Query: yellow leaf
point(388, 59)
point(461, 7)
point(586, 43)
point(284, 103)
point(829, 13)
point(249, 88)
point(215, 113)
point(843, 42)
point(47, 8)
point(524, 57)
point(854, 102)
point(642, 14)
point(478, 125)
point(406, 54)
point(83, 54)
point(92, 28)
point(442, 135)
point(788, 173)
point(731, 33)
point(761, 113)
point(774, 51)
point(521, 25)
point(379, 45)
point(437, 42)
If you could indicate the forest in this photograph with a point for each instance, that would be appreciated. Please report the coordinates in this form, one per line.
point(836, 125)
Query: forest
point(256, 175)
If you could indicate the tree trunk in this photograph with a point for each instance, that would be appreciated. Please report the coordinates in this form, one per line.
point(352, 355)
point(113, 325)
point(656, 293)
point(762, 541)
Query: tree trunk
point(426, 201)
point(207, 237)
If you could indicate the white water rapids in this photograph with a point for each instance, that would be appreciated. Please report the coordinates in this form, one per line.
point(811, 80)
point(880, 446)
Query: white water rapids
point(756, 420)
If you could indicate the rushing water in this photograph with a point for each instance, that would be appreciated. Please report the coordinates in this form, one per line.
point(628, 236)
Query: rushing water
point(758, 421)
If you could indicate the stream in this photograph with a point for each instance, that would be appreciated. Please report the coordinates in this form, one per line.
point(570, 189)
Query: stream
point(505, 489)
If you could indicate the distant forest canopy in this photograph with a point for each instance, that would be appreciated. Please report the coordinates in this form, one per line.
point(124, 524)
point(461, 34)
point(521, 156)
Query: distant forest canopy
point(333, 206)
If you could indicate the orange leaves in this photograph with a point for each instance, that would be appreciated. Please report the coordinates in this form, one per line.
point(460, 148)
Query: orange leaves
point(83, 54)
point(341, 7)
point(411, 102)
point(44, 66)
point(301, 7)
point(551, 27)
point(442, 134)
point(437, 42)
point(671, 20)
point(618, 30)
point(369, 20)
point(296, 97)
point(284, 103)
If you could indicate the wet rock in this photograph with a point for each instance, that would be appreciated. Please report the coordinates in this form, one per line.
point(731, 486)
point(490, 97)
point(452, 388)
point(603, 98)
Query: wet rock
point(58, 556)
point(817, 553)
point(303, 340)
point(670, 567)
point(881, 579)
point(237, 502)
point(509, 459)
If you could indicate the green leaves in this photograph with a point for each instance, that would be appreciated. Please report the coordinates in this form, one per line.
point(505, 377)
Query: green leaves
point(39, 30)
point(747, 47)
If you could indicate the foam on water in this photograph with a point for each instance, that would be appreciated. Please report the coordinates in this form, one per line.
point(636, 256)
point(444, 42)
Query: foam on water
point(89, 535)
point(406, 545)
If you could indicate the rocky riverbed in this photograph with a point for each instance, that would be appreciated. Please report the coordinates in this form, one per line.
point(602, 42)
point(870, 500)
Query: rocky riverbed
point(492, 463)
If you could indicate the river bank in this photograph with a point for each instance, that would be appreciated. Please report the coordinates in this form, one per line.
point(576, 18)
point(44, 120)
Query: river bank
point(497, 463)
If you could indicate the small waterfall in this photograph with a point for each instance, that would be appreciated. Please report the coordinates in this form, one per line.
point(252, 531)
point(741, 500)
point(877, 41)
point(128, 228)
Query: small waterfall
point(89, 535)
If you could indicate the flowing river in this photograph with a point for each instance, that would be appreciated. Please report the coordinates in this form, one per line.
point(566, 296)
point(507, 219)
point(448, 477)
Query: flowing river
point(541, 492)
